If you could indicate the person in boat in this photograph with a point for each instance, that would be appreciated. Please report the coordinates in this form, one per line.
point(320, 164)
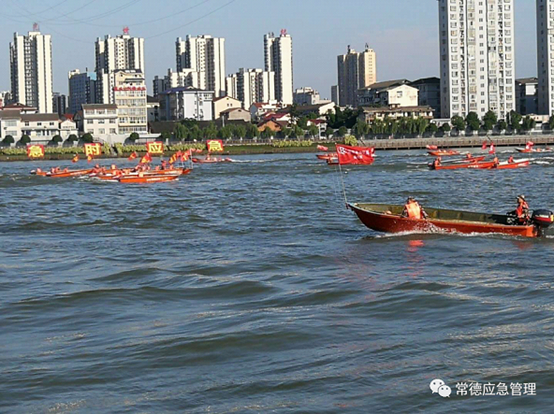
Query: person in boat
point(495, 161)
point(511, 160)
point(437, 162)
point(413, 210)
point(469, 156)
point(164, 165)
point(38, 170)
point(522, 210)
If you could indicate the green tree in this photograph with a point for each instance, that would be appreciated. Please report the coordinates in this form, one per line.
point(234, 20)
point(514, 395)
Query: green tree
point(165, 136)
point(210, 132)
point(8, 140)
point(56, 139)
point(528, 124)
point(286, 132)
point(267, 133)
point(472, 121)
point(421, 125)
point(25, 139)
point(313, 131)
point(181, 132)
point(360, 129)
point(489, 120)
point(240, 131)
point(134, 136)
point(252, 131)
point(432, 129)
point(445, 128)
point(329, 132)
point(342, 131)
point(294, 112)
point(87, 138)
point(71, 139)
point(297, 132)
point(458, 123)
point(189, 122)
point(515, 120)
point(350, 140)
point(551, 122)
point(226, 132)
point(501, 125)
point(303, 122)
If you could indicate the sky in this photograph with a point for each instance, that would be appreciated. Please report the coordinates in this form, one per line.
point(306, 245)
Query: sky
point(403, 33)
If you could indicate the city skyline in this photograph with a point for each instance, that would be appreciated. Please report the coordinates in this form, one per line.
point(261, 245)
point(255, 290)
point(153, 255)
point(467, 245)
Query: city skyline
point(320, 34)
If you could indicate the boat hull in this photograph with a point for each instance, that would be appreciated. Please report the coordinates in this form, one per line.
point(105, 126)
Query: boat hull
point(75, 173)
point(386, 218)
point(129, 179)
point(326, 156)
point(512, 165)
point(472, 165)
point(442, 153)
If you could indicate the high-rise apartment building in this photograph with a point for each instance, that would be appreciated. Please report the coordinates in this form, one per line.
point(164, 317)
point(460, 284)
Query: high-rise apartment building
point(251, 86)
point(130, 97)
point(477, 57)
point(545, 55)
point(31, 70)
point(82, 89)
point(355, 71)
point(206, 55)
point(278, 59)
point(122, 52)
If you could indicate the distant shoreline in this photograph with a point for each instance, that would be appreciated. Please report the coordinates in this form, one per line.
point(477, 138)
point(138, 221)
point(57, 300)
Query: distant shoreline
point(397, 144)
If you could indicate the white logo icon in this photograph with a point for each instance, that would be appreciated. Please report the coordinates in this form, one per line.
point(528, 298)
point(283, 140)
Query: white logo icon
point(445, 391)
point(435, 385)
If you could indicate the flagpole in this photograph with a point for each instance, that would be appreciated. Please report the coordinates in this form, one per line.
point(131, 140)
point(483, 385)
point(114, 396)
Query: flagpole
point(343, 187)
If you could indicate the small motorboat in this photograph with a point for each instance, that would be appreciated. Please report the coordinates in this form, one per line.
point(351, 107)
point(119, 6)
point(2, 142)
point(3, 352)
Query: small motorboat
point(507, 165)
point(442, 153)
point(146, 178)
point(387, 218)
point(69, 173)
point(529, 150)
point(483, 165)
point(326, 157)
point(211, 160)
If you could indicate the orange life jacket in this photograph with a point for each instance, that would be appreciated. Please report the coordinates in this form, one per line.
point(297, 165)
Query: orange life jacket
point(414, 210)
point(521, 209)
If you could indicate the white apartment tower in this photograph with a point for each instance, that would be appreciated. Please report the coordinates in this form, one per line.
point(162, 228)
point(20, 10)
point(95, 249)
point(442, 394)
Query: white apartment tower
point(122, 52)
point(477, 57)
point(206, 55)
point(545, 55)
point(355, 71)
point(31, 70)
point(251, 86)
point(278, 59)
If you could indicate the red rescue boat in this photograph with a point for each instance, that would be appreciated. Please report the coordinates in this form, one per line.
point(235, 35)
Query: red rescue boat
point(74, 173)
point(387, 218)
point(506, 165)
point(145, 179)
point(475, 165)
point(442, 153)
point(328, 156)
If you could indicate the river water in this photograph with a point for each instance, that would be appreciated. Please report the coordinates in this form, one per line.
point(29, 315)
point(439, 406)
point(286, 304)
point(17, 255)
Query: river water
point(247, 287)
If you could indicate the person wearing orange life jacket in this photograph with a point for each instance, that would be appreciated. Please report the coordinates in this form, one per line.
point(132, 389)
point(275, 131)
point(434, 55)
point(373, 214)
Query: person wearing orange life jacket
point(437, 162)
point(511, 160)
point(522, 210)
point(413, 210)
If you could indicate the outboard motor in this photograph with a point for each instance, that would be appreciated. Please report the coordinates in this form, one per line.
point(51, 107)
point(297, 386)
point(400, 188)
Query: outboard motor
point(542, 218)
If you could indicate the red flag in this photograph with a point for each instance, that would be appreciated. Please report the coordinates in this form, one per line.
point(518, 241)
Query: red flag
point(75, 158)
point(529, 145)
point(146, 159)
point(492, 150)
point(322, 148)
point(175, 157)
point(133, 156)
point(89, 158)
point(186, 155)
point(354, 155)
point(484, 146)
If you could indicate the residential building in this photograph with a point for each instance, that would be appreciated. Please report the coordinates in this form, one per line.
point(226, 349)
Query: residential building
point(319, 109)
point(186, 103)
point(429, 93)
point(225, 103)
point(355, 71)
point(306, 96)
point(82, 89)
point(259, 109)
point(153, 108)
point(394, 92)
point(99, 120)
point(5, 98)
point(187, 78)
point(235, 114)
point(335, 94)
point(31, 70)
point(59, 104)
point(278, 59)
point(41, 128)
point(527, 96)
point(129, 94)
point(393, 112)
point(206, 56)
point(545, 56)
point(252, 85)
point(477, 57)
point(122, 52)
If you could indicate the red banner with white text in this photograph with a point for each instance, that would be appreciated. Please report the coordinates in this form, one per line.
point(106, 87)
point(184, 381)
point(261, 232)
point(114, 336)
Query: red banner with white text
point(355, 155)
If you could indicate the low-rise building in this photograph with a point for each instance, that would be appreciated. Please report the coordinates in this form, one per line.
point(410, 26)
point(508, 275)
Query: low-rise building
point(225, 103)
point(320, 109)
point(370, 114)
point(395, 92)
point(100, 120)
point(306, 96)
point(235, 114)
point(186, 103)
point(259, 109)
point(527, 96)
point(429, 93)
point(39, 127)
